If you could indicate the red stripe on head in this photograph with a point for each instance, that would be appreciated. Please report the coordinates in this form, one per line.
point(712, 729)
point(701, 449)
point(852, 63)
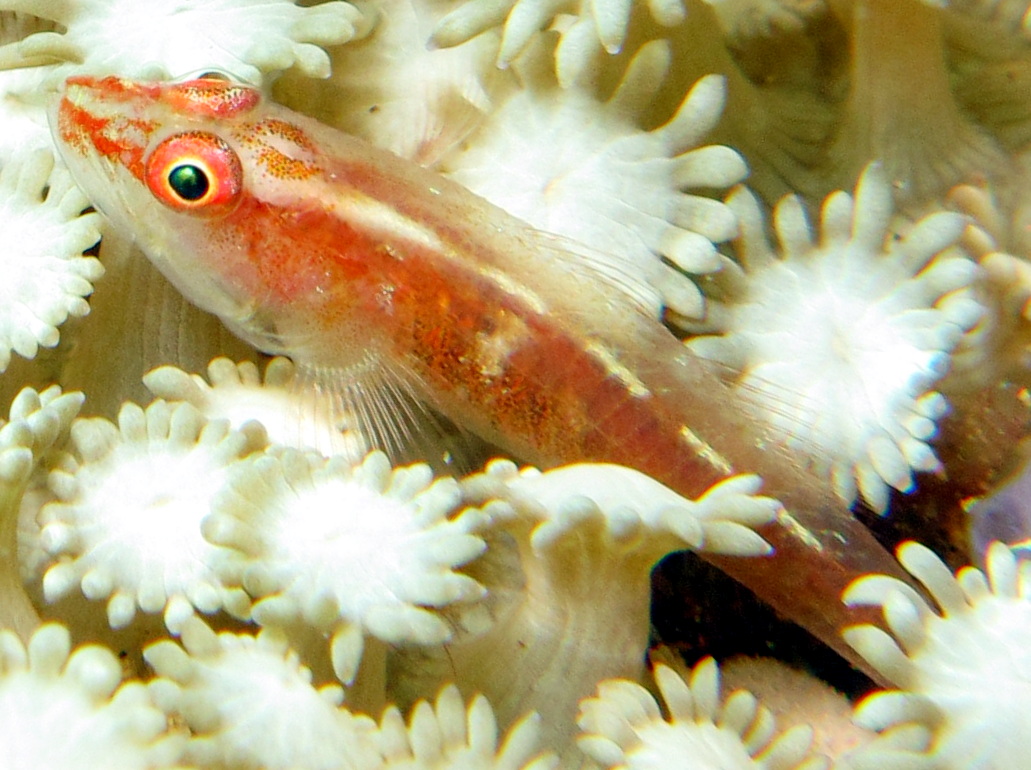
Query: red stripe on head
point(87, 133)
point(116, 89)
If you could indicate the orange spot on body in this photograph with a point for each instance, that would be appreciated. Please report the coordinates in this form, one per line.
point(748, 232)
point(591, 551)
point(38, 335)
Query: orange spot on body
point(273, 127)
point(289, 252)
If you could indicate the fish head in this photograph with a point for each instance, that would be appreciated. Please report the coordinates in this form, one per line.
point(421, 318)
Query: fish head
point(132, 145)
point(190, 170)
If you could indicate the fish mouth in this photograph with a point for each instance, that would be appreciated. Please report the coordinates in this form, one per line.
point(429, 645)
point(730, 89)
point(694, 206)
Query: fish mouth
point(96, 143)
point(104, 118)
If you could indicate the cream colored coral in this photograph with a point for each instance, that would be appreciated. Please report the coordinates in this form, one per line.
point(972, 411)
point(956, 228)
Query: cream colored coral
point(292, 412)
point(961, 668)
point(784, 114)
point(573, 607)
point(23, 113)
point(446, 735)
point(629, 503)
point(45, 277)
point(624, 728)
point(249, 702)
point(838, 339)
point(902, 108)
point(65, 709)
point(796, 697)
point(126, 525)
point(744, 19)
point(595, 25)
point(584, 169)
point(1004, 15)
point(38, 423)
point(168, 38)
point(395, 90)
point(355, 551)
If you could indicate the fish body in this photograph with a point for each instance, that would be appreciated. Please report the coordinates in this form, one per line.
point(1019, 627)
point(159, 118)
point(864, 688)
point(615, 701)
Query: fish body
point(313, 244)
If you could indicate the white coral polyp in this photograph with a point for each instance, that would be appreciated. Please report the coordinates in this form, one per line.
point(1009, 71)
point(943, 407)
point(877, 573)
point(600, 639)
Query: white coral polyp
point(45, 277)
point(292, 415)
point(448, 735)
point(64, 709)
point(126, 526)
point(594, 25)
point(634, 508)
point(38, 424)
point(583, 169)
point(351, 550)
point(397, 92)
point(23, 113)
point(162, 38)
point(838, 341)
point(588, 537)
point(250, 703)
point(963, 670)
point(623, 727)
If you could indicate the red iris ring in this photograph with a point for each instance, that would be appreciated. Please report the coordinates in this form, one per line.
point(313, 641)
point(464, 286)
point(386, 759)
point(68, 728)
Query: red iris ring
point(195, 172)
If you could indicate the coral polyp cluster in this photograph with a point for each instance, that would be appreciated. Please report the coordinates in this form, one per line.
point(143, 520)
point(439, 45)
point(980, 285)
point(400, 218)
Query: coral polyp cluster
point(608, 185)
point(958, 698)
point(125, 524)
point(234, 691)
point(171, 38)
point(624, 727)
point(378, 577)
point(349, 551)
point(214, 566)
point(65, 708)
point(838, 339)
point(47, 277)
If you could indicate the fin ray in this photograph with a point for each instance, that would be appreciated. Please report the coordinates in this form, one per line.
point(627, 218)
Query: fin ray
point(383, 404)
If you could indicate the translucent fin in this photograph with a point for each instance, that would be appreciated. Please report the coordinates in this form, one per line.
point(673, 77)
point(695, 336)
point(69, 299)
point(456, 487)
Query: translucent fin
point(382, 404)
point(612, 270)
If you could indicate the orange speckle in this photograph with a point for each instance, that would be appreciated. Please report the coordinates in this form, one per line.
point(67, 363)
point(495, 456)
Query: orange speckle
point(283, 167)
point(284, 150)
point(212, 98)
point(273, 127)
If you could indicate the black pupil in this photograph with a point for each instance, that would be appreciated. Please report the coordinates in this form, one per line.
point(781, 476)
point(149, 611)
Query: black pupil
point(189, 182)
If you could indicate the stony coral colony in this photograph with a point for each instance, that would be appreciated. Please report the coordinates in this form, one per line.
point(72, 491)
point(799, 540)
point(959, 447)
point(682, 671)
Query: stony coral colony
point(824, 198)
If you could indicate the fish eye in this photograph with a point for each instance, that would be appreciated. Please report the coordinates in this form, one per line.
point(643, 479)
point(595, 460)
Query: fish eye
point(195, 172)
point(188, 181)
point(206, 74)
point(214, 75)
